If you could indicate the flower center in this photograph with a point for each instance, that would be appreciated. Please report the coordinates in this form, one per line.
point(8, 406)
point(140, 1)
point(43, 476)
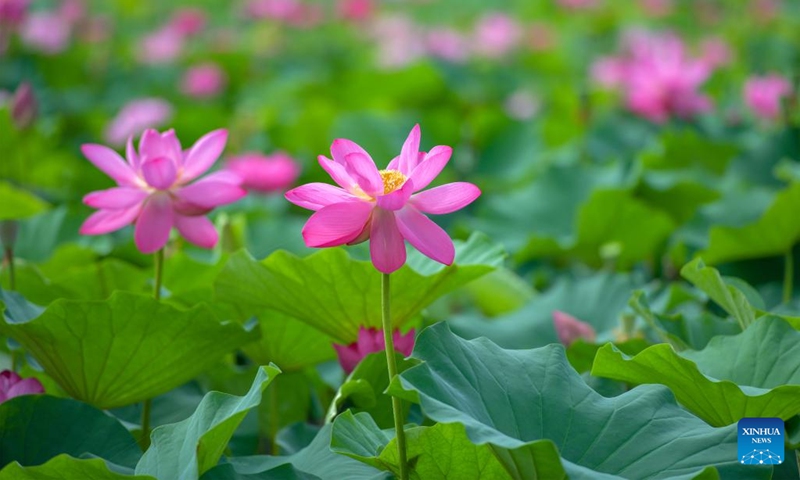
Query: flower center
point(392, 180)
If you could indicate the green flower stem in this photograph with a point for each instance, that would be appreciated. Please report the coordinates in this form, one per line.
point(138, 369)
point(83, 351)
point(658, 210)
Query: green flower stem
point(146, 407)
point(12, 278)
point(391, 363)
point(274, 414)
point(788, 276)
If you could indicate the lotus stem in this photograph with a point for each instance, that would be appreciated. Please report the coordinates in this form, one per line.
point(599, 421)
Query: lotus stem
point(146, 407)
point(391, 363)
point(12, 278)
point(788, 276)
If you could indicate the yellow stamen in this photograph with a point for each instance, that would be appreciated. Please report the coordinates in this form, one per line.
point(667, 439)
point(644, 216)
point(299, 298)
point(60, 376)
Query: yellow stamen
point(392, 180)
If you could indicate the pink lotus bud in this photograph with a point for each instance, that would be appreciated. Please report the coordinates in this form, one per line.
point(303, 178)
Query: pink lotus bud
point(447, 44)
point(24, 106)
point(496, 34)
point(12, 385)
point(161, 47)
point(371, 340)
point(569, 328)
point(265, 173)
point(204, 81)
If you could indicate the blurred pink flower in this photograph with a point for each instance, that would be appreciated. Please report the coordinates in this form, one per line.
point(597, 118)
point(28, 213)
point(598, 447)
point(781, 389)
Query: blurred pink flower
point(135, 116)
point(495, 35)
point(448, 44)
point(264, 173)
point(72, 11)
point(370, 340)
point(715, 52)
point(579, 4)
point(765, 10)
point(273, 9)
point(355, 10)
point(204, 81)
point(48, 32)
point(763, 95)
point(541, 37)
point(188, 21)
point(154, 191)
point(379, 205)
point(13, 12)
point(657, 76)
point(12, 385)
point(160, 47)
point(24, 106)
point(657, 8)
point(569, 328)
point(400, 41)
point(522, 105)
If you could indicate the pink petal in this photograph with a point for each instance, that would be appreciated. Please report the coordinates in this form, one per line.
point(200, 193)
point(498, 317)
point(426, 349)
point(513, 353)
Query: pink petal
point(106, 221)
point(409, 154)
point(425, 235)
point(404, 343)
point(154, 144)
point(110, 162)
point(8, 378)
point(431, 166)
point(341, 148)
point(363, 170)
point(570, 328)
point(348, 357)
point(370, 340)
point(203, 154)
point(446, 198)
point(336, 224)
point(386, 246)
point(131, 155)
point(212, 191)
point(159, 172)
point(198, 230)
point(314, 196)
point(397, 199)
point(154, 223)
point(115, 198)
point(338, 173)
point(29, 386)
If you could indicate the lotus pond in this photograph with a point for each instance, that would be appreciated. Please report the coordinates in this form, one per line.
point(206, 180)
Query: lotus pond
point(368, 239)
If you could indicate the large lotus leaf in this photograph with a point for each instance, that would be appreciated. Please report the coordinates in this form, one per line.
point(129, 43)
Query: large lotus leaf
point(598, 299)
point(126, 349)
point(35, 428)
point(611, 226)
point(753, 374)
point(513, 399)
point(292, 344)
point(17, 203)
point(187, 449)
point(316, 460)
point(336, 294)
point(774, 233)
point(441, 451)
point(726, 295)
point(65, 467)
point(688, 150)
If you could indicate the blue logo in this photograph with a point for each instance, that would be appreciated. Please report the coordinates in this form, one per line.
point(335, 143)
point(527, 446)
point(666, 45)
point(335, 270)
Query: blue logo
point(760, 441)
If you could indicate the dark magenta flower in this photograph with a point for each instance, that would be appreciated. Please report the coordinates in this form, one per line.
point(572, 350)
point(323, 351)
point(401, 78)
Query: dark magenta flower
point(370, 340)
point(12, 385)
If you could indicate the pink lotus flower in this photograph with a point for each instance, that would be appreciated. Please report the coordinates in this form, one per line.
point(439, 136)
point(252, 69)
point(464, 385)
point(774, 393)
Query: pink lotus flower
point(204, 81)
point(764, 94)
point(496, 34)
point(715, 52)
point(161, 47)
point(447, 44)
point(48, 32)
point(13, 12)
point(659, 79)
point(569, 328)
point(371, 340)
point(400, 41)
point(188, 21)
point(12, 385)
point(135, 116)
point(154, 191)
point(24, 106)
point(379, 205)
point(264, 173)
point(355, 10)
